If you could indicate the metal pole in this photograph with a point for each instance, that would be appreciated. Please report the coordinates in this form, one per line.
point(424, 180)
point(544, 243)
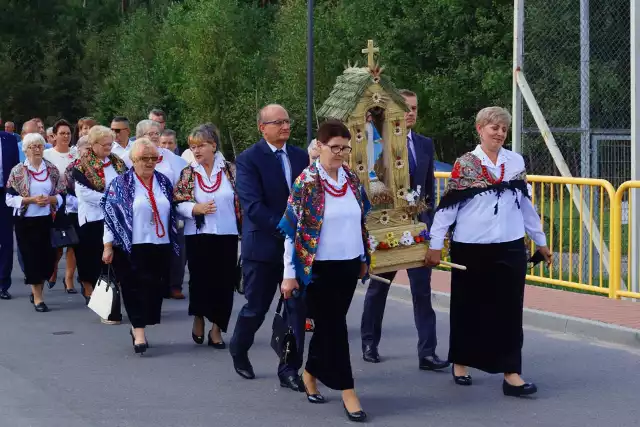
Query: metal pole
point(632, 262)
point(518, 50)
point(310, 72)
point(585, 116)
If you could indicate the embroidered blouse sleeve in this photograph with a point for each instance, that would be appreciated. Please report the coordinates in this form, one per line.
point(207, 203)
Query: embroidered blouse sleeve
point(185, 209)
point(289, 268)
point(87, 195)
point(532, 223)
point(108, 235)
point(13, 201)
point(441, 223)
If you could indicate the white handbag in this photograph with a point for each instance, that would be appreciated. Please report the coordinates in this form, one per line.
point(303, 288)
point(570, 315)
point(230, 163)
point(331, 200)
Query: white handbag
point(104, 296)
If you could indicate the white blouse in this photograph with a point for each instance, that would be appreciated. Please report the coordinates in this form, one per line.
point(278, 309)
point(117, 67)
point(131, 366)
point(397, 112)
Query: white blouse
point(60, 160)
point(341, 231)
point(170, 166)
point(144, 227)
point(476, 220)
point(36, 188)
point(89, 209)
point(223, 221)
point(71, 203)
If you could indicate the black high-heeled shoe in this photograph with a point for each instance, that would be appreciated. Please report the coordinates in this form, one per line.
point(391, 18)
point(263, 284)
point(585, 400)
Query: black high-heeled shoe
point(219, 345)
point(197, 339)
point(68, 290)
point(357, 417)
point(525, 389)
point(461, 379)
point(313, 398)
point(137, 348)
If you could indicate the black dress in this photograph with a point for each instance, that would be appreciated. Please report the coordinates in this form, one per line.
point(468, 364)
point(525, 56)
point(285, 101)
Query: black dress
point(33, 235)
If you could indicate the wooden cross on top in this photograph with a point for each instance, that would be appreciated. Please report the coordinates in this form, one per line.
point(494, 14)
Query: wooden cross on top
point(371, 51)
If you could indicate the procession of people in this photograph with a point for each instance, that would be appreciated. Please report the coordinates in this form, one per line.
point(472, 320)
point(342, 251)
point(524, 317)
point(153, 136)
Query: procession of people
point(142, 212)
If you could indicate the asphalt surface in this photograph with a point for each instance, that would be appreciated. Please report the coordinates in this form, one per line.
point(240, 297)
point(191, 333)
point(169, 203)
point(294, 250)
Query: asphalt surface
point(66, 369)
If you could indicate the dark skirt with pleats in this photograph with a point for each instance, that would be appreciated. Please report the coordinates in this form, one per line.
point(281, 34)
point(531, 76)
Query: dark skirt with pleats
point(33, 235)
point(486, 306)
point(212, 260)
point(328, 297)
point(144, 281)
point(89, 252)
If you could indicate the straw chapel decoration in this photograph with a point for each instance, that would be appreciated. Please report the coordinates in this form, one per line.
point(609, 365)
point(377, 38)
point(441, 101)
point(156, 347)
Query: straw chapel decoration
point(368, 103)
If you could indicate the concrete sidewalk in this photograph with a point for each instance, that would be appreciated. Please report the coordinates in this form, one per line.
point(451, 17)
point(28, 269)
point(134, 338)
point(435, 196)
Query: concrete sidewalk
point(590, 316)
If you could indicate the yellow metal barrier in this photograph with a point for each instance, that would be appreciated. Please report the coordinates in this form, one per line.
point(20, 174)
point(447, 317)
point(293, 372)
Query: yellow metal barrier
point(622, 237)
point(579, 237)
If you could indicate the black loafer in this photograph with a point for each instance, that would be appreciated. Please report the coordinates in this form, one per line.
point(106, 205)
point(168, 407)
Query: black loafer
point(461, 379)
point(5, 295)
point(370, 354)
point(525, 389)
point(432, 363)
point(41, 308)
point(357, 417)
point(293, 382)
point(243, 367)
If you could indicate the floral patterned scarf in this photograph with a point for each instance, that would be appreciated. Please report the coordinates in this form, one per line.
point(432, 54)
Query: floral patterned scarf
point(18, 182)
point(469, 179)
point(303, 218)
point(184, 191)
point(68, 173)
point(90, 170)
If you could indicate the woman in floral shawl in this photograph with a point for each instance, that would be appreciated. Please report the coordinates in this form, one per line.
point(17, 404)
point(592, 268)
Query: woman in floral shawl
point(327, 250)
point(93, 173)
point(35, 191)
point(205, 196)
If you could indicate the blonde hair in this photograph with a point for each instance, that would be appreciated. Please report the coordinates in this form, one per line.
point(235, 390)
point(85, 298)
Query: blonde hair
point(31, 139)
point(138, 145)
point(97, 133)
point(490, 115)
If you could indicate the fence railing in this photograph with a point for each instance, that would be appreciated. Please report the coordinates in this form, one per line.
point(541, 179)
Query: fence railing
point(577, 217)
point(625, 272)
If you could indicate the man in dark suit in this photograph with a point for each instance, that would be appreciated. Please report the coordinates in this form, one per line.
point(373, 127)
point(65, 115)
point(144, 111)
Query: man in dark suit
point(421, 153)
point(265, 173)
point(8, 159)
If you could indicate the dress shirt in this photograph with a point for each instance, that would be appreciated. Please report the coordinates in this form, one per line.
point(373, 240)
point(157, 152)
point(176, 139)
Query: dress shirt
point(60, 160)
point(89, 209)
point(144, 228)
point(475, 219)
point(170, 166)
point(119, 150)
point(287, 162)
point(36, 188)
point(341, 232)
point(223, 221)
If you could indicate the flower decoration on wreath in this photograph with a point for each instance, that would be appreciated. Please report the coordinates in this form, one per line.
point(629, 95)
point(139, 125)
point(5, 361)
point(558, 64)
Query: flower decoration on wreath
point(359, 136)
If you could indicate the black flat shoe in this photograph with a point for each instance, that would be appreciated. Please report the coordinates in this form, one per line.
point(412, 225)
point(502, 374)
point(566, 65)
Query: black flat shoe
point(525, 389)
point(432, 363)
point(357, 417)
point(137, 348)
point(197, 339)
point(219, 345)
point(461, 379)
point(41, 308)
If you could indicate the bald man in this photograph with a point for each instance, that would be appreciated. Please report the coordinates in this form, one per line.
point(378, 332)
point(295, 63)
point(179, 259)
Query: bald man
point(265, 172)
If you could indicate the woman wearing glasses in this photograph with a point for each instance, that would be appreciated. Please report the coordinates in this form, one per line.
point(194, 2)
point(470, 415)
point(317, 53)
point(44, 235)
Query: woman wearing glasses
point(62, 155)
point(93, 173)
point(139, 237)
point(327, 250)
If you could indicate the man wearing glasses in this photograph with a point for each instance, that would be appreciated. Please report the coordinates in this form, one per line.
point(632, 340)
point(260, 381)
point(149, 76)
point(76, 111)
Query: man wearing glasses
point(121, 133)
point(265, 172)
point(159, 117)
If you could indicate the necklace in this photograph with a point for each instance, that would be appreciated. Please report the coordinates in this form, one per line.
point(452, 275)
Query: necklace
point(212, 188)
point(36, 175)
point(102, 168)
point(335, 192)
point(160, 231)
point(490, 178)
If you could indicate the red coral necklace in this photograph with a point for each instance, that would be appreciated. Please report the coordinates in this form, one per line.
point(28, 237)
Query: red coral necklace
point(160, 231)
point(490, 178)
point(210, 188)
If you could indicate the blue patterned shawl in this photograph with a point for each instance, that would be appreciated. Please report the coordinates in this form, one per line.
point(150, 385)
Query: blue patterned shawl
point(117, 205)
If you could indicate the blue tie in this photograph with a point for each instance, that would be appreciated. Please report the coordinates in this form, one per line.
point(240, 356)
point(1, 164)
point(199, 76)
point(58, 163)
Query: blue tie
point(412, 160)
point(282, 157)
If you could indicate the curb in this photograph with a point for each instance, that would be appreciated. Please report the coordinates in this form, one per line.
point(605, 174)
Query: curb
point(544, 320)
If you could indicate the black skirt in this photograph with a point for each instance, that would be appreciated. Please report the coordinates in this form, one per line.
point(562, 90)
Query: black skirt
point(33, 235)
point(212, 261)
point(144, 280)
point(89, 252)
point(486, 306)
point(328, 297)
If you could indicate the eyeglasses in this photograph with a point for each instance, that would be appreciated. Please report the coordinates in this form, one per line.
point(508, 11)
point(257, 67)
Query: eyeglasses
point(147, 159)
point(279, 122)
point(152, 134)
point(339, 149)
point(35, 147)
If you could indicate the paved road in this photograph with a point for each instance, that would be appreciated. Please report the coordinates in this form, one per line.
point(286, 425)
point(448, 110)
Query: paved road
point(66, 369)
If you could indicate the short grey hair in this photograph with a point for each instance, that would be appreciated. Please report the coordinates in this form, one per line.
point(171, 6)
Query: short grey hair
point(49, 130)
point(143, 127)
point(97, 133)
point(32, 139)
point(84, 140)
point(138, 145)
point(169, 132)
point(491, 115)
point(207, 132)
point(260, 116)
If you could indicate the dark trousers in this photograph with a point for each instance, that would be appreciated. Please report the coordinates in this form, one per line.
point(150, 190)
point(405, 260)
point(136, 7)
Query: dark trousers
point(6, 243)
point(178, 263)
point(329, 296)
point(423, 314)
point(261, 282)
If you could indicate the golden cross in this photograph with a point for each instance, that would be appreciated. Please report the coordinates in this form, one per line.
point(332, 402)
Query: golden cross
point(370, 51)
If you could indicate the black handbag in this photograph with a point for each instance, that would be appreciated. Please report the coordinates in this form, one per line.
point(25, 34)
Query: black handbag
point(283, 339)
point(63, 233)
